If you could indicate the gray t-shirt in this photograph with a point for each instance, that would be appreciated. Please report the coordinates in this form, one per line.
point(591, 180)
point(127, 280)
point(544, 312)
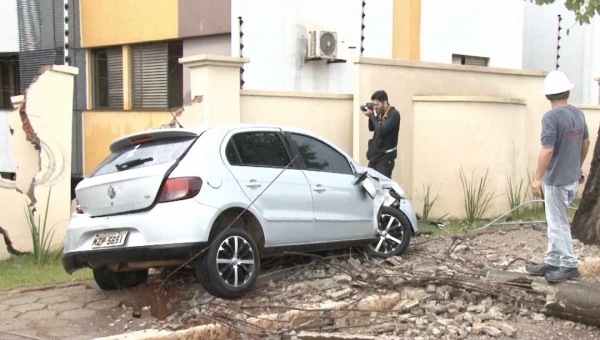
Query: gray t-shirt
point(564, 129)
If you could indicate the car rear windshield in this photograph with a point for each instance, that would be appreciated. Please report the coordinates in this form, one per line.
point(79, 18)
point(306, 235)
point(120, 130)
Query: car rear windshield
point(145, 154)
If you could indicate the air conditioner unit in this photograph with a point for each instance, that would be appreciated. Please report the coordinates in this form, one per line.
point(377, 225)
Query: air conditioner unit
point(322, 45)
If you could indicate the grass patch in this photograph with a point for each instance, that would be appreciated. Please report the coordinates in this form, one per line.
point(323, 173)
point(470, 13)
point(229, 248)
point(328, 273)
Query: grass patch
point(22, 272)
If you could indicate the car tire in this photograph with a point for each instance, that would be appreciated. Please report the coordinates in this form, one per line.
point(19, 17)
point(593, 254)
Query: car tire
point(219, 279)
point(387, 239)
point(108, 280)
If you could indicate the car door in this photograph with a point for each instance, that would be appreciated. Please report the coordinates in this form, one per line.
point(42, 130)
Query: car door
point(342, 209)
point(256, 158)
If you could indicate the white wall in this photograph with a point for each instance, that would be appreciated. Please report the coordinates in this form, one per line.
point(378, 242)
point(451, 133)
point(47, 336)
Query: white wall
point(483, 28)
point(275, 34)
point(579, 52)
point(594, 88)
point(213, 44)
point(8, 162)
point(9, 26)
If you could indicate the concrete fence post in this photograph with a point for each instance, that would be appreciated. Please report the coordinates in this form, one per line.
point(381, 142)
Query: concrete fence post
point(216, 80)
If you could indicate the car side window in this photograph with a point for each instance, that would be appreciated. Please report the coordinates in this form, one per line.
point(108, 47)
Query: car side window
point(319, 156)
point(262, 149)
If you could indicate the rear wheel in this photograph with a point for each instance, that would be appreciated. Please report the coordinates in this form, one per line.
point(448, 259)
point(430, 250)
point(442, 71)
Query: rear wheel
point(108, 280)
point(393, 234)
point(230, 267)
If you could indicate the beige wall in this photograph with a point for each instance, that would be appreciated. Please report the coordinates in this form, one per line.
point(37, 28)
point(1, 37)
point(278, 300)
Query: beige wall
point(50, 168)
point(327, 115)
point(405, 80)
point(453, 116)
point(101, 128)
point(475, 133)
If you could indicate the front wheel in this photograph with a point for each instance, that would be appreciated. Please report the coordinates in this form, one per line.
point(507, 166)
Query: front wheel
point(393, 234)
point(230, 267)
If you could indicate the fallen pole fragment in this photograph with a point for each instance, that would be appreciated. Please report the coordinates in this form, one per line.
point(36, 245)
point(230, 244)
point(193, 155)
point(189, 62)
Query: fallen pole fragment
point(570, 300)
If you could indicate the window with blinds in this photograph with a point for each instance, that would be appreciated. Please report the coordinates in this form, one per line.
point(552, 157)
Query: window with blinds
point(157, 76)
point(108, 78)
point(9, 80)
point(470, 60)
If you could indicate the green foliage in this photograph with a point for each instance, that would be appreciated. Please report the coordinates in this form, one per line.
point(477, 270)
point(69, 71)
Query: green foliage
point(40, 236)
point(428, 202)
point(584, 9)
point(23, 271)
point(516, 196)
point(476, 196)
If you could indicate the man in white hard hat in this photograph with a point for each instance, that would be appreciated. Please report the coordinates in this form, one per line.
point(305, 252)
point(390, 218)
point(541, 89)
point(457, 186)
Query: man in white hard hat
point(565, 143)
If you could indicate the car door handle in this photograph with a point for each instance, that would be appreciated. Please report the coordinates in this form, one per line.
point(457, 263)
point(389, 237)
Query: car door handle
point(319, 188)
point(253, 184)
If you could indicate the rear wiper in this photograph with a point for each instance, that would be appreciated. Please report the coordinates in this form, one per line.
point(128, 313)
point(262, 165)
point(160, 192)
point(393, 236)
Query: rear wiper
point(133, 163)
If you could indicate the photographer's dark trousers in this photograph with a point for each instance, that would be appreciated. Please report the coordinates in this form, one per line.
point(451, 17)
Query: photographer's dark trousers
point(384, 165)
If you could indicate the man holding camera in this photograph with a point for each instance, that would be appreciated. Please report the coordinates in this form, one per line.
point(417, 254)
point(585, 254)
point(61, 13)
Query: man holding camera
point(384, 121)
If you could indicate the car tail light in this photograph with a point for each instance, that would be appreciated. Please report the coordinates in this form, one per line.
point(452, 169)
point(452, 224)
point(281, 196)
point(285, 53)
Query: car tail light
point(176, 189)
point(78, 208)
point(141, 139)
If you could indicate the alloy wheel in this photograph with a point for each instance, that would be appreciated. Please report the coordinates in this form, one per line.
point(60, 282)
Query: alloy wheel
point(391, 235)
point(235, 261)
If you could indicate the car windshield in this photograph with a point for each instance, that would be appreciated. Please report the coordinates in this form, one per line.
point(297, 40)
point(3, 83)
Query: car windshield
point(146, 154)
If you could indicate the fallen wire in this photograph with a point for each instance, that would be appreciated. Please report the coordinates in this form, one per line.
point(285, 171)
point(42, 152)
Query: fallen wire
point(514, 261)
point(21, 335)
point(229, 226)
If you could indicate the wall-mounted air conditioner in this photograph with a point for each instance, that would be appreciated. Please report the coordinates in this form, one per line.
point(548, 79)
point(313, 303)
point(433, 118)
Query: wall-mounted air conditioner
point(322, 45)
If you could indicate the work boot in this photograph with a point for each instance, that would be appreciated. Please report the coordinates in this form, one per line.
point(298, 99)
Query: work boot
point(541, 269)
point(563, 274)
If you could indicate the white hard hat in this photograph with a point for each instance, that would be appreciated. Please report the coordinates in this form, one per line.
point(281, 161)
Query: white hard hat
point(557, 82)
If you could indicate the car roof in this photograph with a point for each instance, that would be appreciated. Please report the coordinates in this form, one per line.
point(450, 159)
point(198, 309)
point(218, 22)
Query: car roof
point(221, 129)
point(225, 128)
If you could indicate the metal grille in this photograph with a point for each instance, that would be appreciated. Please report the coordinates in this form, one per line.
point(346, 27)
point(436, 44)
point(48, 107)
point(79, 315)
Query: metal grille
point(47, 19)
point(476, 61)
point(149, 68)
point(115, 77)
point(31, 61)
point(29, 25)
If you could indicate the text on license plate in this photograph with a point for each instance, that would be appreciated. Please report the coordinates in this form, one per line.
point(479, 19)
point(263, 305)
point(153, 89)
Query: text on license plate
point(113, 239)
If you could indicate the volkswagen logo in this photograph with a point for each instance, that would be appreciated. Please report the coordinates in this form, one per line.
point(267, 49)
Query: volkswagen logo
point(111, 192)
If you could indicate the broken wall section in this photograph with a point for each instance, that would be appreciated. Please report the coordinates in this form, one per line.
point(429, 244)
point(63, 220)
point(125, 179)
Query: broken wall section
point(42, 123)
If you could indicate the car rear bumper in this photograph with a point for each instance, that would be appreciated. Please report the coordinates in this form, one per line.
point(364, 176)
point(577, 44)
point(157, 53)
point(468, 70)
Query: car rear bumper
point(98, 258)
point(178, 222)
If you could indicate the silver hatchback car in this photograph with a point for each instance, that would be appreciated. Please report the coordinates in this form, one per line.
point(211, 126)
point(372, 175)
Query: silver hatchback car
point(235, 192)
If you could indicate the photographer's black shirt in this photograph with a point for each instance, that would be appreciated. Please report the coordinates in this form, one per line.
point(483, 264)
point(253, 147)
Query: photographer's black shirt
point(385, 138)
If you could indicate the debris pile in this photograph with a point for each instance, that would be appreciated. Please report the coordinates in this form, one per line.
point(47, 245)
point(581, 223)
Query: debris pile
point(447, 288)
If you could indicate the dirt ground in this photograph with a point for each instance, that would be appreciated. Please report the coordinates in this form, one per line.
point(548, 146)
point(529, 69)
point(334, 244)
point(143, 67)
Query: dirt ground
point(420, 295)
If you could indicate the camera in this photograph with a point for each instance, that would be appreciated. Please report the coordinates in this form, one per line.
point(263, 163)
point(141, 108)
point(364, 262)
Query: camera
point(367, 106)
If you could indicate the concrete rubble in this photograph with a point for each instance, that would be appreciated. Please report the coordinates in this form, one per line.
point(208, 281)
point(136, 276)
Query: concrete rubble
point(441, 293)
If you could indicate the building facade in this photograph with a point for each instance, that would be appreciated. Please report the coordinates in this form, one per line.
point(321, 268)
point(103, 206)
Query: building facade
point(579, 53)
point(133, 50)
point(128, 51)
point(508, 34)
point(487, 33)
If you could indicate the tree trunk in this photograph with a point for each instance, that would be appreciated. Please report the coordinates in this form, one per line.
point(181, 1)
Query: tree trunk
point(575, 301)
point(9, 246)
point(586, 224)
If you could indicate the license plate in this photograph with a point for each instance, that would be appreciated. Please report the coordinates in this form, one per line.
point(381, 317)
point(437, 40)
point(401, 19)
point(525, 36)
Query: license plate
point(114, 239)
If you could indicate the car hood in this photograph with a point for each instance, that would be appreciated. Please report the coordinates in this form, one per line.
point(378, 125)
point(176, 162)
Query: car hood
point(385, 181)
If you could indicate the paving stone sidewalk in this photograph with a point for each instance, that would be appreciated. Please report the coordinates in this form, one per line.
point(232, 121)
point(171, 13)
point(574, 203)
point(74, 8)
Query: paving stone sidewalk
point(75, 312)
